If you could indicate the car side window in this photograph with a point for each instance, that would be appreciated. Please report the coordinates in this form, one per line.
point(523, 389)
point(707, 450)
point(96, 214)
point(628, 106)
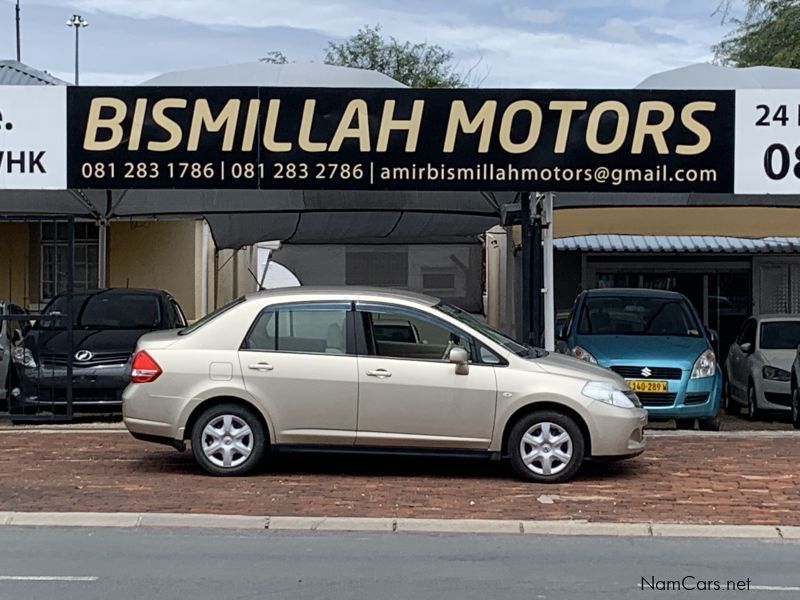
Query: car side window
point(401, 334)
point(311, 329)
point(748, 333)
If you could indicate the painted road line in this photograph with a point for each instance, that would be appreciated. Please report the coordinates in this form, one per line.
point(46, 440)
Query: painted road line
point(70, 578)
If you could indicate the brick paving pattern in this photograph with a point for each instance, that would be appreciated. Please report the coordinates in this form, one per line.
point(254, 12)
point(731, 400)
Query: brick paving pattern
point(679, 479)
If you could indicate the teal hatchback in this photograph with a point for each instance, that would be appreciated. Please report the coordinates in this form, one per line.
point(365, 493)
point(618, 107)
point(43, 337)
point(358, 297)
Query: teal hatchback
point(656, 341)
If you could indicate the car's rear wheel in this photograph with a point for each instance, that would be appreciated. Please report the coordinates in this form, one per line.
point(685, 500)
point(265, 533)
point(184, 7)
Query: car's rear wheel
point(546, 446)
point(228, 439)
point(753, 412)
point(796, 408)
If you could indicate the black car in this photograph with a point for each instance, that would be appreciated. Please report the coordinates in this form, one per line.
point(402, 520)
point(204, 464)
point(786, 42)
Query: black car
point(107, 324)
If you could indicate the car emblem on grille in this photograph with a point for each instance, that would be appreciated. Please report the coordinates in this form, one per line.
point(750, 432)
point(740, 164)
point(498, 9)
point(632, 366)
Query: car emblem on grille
point(646, 372)
point(83, 356)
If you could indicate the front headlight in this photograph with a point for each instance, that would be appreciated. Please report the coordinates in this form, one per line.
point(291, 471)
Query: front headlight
point(705, 365)
point(604, 391)
point(583, 354)
point(776, 374)
point(23, 357)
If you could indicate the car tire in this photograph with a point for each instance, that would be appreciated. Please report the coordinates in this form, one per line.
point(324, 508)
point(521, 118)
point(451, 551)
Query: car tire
point(7, 389)
point(218, 437)
point(730, 406)
point(710, 424)
point(684, 423)
point(796, 408)
point(546, 446)
point(753, 412)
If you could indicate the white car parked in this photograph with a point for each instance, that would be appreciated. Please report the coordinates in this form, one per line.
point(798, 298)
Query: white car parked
point(758, 368)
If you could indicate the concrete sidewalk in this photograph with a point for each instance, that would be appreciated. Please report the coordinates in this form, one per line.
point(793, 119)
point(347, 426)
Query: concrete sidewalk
point(393, 525)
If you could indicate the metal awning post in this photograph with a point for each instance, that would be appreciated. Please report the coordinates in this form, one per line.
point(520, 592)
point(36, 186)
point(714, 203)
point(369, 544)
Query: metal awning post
point(531, 217)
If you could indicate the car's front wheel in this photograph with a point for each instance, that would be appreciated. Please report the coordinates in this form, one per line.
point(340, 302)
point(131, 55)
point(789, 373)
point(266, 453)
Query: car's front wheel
point(546, 447)
point(228, 439)
point(729, 405)
point(796, 408)
point(753, 412)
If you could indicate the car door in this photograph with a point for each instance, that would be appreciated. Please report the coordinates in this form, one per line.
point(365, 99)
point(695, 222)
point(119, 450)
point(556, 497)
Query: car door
point(299, 363)
point(409, 393)
point(737, 374)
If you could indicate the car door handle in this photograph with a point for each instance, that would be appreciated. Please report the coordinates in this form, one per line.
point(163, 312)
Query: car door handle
point(379, 373)
point(261, 367)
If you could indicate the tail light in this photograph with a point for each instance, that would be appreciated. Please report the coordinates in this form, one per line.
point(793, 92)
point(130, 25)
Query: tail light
point(144, 368)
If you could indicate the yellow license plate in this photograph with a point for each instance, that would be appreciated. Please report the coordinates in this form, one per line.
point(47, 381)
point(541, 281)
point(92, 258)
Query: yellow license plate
point(646, 385)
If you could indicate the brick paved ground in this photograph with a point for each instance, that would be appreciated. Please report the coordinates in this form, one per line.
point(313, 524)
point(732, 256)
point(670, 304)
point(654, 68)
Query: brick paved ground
point(680, 479)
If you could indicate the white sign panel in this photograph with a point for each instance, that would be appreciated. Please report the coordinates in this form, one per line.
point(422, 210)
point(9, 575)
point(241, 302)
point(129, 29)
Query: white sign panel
point(767, 159)
point(33, 137)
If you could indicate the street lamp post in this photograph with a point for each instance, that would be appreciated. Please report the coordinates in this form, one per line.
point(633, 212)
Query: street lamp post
point(77, 22)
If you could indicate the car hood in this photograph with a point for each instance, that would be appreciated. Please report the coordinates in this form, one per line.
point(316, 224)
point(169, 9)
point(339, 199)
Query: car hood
point(569, 366)
point(782, 359)
point(95, 340)
point(646, 350)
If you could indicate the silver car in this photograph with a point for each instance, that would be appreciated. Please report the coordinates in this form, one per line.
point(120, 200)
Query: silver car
point(758, 367)
point(349, 369)
point(11, 333)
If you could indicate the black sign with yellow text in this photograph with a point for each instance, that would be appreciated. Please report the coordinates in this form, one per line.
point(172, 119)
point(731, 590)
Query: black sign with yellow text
point(398, 138)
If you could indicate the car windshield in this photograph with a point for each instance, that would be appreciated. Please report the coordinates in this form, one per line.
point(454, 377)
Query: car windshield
point(780, 335)
point(211, 316)
point(106, 311)
point(638, 315)
point(490, 332)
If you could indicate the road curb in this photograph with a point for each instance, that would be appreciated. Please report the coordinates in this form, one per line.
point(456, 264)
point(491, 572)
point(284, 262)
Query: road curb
point(394, 525)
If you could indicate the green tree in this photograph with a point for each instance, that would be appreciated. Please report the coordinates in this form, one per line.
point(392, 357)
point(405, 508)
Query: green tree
point(768, 34)
point(421, 65)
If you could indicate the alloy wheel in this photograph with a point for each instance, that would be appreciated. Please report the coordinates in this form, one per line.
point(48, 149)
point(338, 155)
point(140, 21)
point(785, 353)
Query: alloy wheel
point(227, 441)
point(546, 448)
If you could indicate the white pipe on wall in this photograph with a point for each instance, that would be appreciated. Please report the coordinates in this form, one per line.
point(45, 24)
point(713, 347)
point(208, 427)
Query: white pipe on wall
point(549, 279)
point(204, 237)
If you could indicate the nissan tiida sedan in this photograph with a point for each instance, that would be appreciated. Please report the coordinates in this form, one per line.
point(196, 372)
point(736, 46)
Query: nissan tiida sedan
point(326, 369)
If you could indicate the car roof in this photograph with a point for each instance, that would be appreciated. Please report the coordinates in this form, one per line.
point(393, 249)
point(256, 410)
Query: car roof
point(354, 293)
point(775, 317)
point(117, 291)
point(637, 292)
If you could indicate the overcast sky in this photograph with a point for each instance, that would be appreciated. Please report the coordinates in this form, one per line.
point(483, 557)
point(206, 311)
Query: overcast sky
point(534, 43)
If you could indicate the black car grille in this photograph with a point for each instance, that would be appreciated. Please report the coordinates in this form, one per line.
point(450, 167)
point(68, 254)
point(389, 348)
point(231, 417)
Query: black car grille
point(98, 360)
point(655, 372)
point(696, 398)
point(782, 399)
point(652, 399)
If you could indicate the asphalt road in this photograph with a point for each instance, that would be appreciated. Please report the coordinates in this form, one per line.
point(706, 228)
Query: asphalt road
point(98, 564)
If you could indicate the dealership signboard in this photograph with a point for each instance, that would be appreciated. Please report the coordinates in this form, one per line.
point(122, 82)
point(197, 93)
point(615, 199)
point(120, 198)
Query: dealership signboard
point(399, 139)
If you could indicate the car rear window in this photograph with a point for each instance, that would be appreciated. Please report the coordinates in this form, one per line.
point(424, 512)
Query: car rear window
point(780, 335)
point(632, 315)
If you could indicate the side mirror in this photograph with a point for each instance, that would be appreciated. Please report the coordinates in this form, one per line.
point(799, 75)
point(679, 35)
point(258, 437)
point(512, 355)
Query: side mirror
point(747, 347)
point(460, 358)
